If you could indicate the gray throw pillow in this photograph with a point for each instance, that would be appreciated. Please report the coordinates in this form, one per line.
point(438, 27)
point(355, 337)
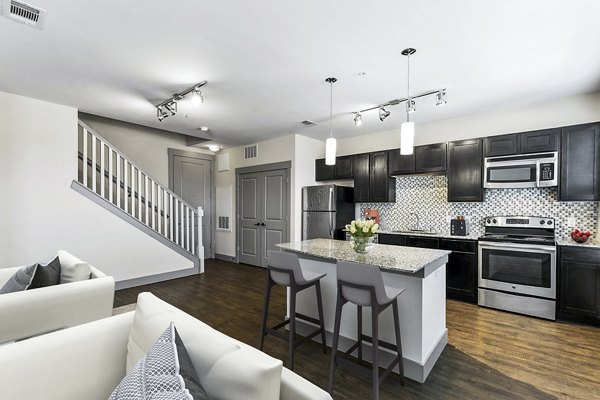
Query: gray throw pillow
point(46, 274)
point(166, 372)
point(21, 280)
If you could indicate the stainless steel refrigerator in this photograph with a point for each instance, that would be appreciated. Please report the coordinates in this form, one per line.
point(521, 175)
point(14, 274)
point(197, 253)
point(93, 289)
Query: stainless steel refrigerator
point(326, 210)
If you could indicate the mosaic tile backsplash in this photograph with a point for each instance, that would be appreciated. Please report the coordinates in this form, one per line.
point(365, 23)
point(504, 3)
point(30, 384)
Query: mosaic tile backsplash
point(427, 196)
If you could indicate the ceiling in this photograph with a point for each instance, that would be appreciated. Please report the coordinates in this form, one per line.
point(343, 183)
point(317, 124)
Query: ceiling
point(266, 60)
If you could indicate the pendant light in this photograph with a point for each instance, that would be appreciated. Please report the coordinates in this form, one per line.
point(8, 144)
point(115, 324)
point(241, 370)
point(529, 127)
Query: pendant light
point(330, 143)
point(407, 130)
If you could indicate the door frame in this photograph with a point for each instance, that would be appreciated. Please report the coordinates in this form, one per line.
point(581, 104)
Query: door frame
point(287, 166)
point(205, 157)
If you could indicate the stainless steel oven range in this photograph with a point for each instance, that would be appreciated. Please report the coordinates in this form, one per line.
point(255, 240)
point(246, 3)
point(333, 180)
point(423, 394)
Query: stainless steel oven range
point(517, 265)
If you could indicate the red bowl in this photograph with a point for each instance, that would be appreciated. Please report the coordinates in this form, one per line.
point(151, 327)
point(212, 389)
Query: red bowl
point(580, 239)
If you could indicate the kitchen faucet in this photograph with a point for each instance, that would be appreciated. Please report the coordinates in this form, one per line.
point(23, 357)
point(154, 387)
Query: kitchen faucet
point(416, 227)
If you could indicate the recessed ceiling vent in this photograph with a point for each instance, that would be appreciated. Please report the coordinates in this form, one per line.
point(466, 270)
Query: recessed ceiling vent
point(250, 152)
point(308, 122)
point(24, 13)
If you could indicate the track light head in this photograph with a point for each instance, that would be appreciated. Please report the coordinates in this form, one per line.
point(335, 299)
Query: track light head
point(357, 119)
point(171, 107)
point(440, 98)
point(197, 98)
point(161, 113)
point(383, 114)
point(410, 106)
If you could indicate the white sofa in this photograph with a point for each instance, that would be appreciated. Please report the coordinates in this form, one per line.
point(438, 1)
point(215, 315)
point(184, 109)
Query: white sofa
point(37, 311)
point(89, 361)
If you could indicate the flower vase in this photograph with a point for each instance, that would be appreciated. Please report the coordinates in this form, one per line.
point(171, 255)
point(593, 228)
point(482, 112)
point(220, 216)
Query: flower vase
point(361, 244)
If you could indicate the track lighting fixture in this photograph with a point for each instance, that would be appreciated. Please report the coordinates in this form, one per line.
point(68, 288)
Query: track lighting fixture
point(410, 106)
point(357, 119)
point(383, 114)
point(330, 143)
point(169, 107)
point(440, 98)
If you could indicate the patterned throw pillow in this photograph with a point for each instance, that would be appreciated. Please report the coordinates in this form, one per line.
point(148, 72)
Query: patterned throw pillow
point(21, 280)
point(46, 274)
point(165, 373)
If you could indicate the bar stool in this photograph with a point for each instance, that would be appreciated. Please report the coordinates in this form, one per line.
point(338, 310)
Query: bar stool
point(363, 285)
point(284, 269)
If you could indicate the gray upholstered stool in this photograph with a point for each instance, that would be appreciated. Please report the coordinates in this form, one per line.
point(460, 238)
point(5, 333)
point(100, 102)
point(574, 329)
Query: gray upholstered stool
point(284, 269)
point(363, 285)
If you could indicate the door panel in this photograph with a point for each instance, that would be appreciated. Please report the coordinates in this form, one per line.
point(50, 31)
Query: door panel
point(249, 220)
point(192, 181)
point(275, 224)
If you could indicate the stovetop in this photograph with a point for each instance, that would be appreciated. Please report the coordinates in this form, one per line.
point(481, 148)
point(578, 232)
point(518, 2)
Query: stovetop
point(528, 230)
point(547, 241)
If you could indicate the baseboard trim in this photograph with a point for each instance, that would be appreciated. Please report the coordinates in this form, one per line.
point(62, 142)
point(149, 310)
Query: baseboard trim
point(224, 257)
point(165, 276)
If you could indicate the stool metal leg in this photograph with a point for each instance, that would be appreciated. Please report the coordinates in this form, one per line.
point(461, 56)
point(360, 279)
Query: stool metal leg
point(398, 340)
point(375, 348)
point(292, 341)
point(359, 331)
point(321, 318)
point(265, 310)
point(336, 335)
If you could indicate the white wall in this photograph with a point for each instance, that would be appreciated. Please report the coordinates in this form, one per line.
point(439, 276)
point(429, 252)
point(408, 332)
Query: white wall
point(560, 112)
point(146, 147)
point(42, 214)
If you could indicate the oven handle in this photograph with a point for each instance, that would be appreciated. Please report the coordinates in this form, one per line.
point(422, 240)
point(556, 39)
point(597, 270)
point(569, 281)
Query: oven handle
point(519, 246)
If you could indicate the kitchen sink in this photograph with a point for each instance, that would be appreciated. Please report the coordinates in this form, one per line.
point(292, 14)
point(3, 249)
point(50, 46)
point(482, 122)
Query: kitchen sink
point(418, 231)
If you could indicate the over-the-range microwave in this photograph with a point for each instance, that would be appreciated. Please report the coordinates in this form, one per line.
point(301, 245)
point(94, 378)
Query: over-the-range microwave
point(522, 171)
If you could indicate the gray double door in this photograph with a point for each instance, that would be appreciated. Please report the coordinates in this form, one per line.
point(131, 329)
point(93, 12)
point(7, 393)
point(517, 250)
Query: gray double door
point(263, 211)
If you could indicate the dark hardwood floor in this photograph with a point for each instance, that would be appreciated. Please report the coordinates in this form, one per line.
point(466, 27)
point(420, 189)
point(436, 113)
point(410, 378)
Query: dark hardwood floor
point(490, 355)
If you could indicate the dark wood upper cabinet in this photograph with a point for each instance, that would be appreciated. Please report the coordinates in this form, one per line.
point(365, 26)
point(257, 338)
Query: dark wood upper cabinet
point(465, 170)
point(382, 188)
point(324, 172)
point(399, 164)
point(580, 163)
point(341, 170)
point(360, 166)
point(343, 167)
point(540, 141)
point(430, 158)
point(503, 145)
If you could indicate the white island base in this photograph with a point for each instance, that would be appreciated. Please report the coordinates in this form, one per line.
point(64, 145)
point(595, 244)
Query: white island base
point(422, 310)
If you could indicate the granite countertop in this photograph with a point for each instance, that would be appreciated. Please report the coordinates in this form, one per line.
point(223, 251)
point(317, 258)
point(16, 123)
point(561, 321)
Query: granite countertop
point(388, 257)
point(592, 243)
point(444, 235)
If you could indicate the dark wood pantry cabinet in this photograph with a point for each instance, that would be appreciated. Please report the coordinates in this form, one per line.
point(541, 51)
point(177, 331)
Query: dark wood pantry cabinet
point(580, 163)
point(465, 170)
point(579, 271)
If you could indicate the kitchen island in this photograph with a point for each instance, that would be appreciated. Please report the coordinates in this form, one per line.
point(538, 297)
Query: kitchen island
point(422, 307)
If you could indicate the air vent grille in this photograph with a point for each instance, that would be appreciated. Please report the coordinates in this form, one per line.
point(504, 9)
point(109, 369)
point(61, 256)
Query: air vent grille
point(250, 152)
point(308, 122)
point(223, 223)
point(24, 13)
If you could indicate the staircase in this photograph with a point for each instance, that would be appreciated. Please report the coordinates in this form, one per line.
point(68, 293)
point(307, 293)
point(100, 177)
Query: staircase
point(107, 177)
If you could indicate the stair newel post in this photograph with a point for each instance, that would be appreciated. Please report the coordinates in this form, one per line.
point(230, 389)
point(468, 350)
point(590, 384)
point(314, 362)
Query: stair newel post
point(199, 248)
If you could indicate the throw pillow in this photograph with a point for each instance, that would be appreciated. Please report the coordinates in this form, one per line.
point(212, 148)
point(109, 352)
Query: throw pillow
point(46, 274)
point(72, 269)
point(166, 372)
point(21, 280)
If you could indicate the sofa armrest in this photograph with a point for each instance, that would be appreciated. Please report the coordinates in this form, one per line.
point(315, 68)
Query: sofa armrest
point(83, 362)
point(295, 387)
point(6, 273)
point(38, 311)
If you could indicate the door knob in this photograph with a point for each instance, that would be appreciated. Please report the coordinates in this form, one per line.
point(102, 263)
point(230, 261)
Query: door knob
point(262, 224)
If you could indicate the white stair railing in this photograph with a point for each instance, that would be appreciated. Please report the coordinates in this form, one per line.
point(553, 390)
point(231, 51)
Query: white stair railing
point(107, 172)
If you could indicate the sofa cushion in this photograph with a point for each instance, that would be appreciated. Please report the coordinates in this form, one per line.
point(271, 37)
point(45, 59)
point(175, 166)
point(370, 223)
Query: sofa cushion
point(21, 280)
point(46, 274)
point(166, 372)
point(72, 269)
point(226, 369)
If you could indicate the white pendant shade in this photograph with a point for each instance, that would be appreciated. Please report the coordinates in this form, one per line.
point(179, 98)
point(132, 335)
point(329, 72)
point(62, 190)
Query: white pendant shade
point(407, 138)
point(330, 147)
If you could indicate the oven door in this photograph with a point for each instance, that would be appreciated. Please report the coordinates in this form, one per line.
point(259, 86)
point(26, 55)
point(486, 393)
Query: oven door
point(518, 268)
point(511, 174)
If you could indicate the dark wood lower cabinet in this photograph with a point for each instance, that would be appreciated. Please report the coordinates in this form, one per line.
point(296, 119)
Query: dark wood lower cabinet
point(579, 271)
point(398, 240)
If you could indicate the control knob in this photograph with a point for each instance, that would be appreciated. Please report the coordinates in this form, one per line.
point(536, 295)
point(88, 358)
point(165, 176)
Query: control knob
point(542, 222)
point(494, 221)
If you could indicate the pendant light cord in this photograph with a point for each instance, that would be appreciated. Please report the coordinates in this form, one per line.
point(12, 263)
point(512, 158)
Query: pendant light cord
point(330, 109)
point(408, 88)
